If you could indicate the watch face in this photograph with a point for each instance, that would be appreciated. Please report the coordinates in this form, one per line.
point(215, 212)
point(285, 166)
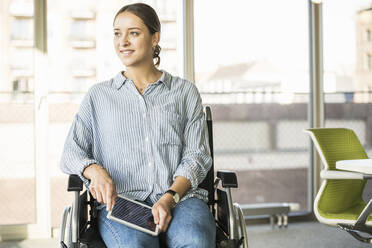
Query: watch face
point(176, 198)
point(175, 195)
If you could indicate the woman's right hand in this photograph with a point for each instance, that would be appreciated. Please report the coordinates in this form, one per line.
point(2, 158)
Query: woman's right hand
point(101, 186)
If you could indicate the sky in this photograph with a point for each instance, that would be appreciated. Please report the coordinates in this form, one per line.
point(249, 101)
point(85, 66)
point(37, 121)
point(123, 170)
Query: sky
point(228, 32)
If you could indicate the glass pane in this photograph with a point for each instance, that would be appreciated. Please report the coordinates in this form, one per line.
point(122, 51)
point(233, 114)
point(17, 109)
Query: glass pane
point(252, 68)
point(81, 54)
point(348, 69)
point(17, 171)
point(21, 29)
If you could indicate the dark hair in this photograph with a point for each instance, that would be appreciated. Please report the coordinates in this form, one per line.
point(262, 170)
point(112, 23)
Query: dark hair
point(149, 17)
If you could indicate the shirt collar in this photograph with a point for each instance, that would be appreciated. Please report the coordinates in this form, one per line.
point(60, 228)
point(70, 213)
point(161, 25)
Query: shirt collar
point(120, 79)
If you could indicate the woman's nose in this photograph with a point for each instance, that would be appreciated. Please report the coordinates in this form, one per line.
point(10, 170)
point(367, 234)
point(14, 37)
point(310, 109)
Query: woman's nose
point(124, 41)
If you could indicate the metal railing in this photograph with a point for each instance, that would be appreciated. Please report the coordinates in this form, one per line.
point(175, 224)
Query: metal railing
point(217, 97)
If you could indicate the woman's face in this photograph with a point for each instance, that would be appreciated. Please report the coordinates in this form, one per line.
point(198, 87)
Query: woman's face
point(132, 40)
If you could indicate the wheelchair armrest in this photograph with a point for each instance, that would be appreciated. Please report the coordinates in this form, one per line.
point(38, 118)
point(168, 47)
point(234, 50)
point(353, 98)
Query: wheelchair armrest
point(74, 183)
point(228, 178)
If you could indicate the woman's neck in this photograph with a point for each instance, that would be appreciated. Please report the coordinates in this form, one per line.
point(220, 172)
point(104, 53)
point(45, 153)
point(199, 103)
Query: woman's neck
point(143, 75)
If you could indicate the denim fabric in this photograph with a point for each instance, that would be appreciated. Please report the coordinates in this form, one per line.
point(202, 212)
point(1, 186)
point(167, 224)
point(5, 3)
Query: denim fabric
point(192, 225)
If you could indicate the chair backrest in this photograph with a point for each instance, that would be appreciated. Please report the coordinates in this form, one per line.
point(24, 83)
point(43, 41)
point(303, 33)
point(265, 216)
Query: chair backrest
point(207, 183)
point(335, 144)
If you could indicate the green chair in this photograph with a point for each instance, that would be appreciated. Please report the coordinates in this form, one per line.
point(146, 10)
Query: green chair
point(339, 201)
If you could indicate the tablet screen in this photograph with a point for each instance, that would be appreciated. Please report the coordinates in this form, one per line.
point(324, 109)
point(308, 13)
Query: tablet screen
point(133, 213)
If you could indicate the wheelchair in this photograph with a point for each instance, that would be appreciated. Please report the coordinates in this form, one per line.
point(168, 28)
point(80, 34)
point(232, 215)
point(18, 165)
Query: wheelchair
point(82, 229)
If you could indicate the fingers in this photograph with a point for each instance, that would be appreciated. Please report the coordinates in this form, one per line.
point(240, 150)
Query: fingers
point(113, 197)
point(156, 215)
point(92, 191)
point(162, 217)
point(99, 195)
point(104, 191)
point(110, 196)
point(165, 219)
point(108, 200)
point(102, 186)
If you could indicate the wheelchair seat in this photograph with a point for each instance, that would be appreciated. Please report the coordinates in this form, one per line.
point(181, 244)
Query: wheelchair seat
point(82, 230)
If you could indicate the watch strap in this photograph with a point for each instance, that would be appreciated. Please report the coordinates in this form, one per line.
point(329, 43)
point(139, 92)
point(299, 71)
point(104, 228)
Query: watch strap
point(174, 194)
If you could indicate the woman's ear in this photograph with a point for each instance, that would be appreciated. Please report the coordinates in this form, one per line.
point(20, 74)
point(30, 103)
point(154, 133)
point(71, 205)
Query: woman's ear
point(155, 39)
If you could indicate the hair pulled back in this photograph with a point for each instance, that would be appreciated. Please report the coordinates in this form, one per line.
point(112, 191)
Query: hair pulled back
point(149, 17)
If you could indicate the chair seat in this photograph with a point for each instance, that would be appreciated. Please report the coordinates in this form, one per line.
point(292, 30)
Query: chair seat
point(350, 214)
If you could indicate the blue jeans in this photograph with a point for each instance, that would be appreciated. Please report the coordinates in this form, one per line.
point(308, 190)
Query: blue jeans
point(192, 225)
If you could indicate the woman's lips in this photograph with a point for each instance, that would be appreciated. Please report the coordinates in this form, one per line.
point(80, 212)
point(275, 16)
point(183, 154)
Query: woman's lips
point(127, 52)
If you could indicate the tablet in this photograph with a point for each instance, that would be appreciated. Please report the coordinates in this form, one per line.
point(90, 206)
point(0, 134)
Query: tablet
point(133, 214)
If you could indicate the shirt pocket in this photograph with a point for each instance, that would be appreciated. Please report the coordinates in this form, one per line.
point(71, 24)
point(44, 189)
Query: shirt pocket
point(168, 128)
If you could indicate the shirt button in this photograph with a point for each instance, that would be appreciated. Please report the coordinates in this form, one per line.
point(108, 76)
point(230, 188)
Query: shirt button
point(147, 139)
point(144, 115)
point(150, 164)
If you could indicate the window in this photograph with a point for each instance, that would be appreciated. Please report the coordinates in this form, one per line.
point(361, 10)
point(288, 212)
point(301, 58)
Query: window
point(259, 87)
point(17, 177)
point(21, 29)
point(367, 35)
point(82, 30)
point(368, 62)
point(82, 63)
point(82, 34)
point(348, 55)
point(21, 32)
point(21, 8)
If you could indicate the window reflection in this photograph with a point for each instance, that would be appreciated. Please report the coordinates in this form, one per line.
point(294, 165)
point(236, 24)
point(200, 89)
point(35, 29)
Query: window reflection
point(21, 29)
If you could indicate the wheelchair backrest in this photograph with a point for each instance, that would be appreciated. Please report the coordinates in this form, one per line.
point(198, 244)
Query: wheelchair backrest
point(207, 183)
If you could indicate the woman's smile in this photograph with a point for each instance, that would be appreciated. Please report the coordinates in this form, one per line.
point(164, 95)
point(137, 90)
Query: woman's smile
point(126, 52)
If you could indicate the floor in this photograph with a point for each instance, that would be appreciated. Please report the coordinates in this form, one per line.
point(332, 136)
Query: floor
point(297, 235)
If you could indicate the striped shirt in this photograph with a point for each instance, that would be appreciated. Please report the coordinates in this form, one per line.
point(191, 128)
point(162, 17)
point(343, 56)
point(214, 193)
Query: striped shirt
point(143, 141)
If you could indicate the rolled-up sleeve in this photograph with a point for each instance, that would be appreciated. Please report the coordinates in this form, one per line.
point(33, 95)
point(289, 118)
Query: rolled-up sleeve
point(196, 159)
point(77, 151)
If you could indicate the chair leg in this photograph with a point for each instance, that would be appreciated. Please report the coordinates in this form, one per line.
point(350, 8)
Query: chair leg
point(359, 237)
point(355, 230)
point(75, 218)
point(63, 227)
point(363, 217)
point(233, 235)
point(241, 221)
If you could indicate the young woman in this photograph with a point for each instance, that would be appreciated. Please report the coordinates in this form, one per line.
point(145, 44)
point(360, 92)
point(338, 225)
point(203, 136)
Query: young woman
point(141, 135)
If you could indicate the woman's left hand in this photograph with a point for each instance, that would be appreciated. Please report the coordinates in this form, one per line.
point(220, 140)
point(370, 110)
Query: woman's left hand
point(162, 212)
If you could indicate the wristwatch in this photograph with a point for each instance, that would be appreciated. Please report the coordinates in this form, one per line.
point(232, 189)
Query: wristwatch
point(175, 195)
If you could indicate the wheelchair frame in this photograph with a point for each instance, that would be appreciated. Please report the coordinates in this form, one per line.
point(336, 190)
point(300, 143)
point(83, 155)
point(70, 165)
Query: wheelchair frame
point(230, 222)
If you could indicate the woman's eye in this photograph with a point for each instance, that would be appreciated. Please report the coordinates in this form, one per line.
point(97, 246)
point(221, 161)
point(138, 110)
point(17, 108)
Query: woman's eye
point(134, 33)
point(116, 34)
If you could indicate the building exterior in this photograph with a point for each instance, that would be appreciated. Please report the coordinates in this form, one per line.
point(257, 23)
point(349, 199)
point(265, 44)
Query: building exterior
point(16, 45)
point(251, 82)
point(363, 67)
point(80, 49)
